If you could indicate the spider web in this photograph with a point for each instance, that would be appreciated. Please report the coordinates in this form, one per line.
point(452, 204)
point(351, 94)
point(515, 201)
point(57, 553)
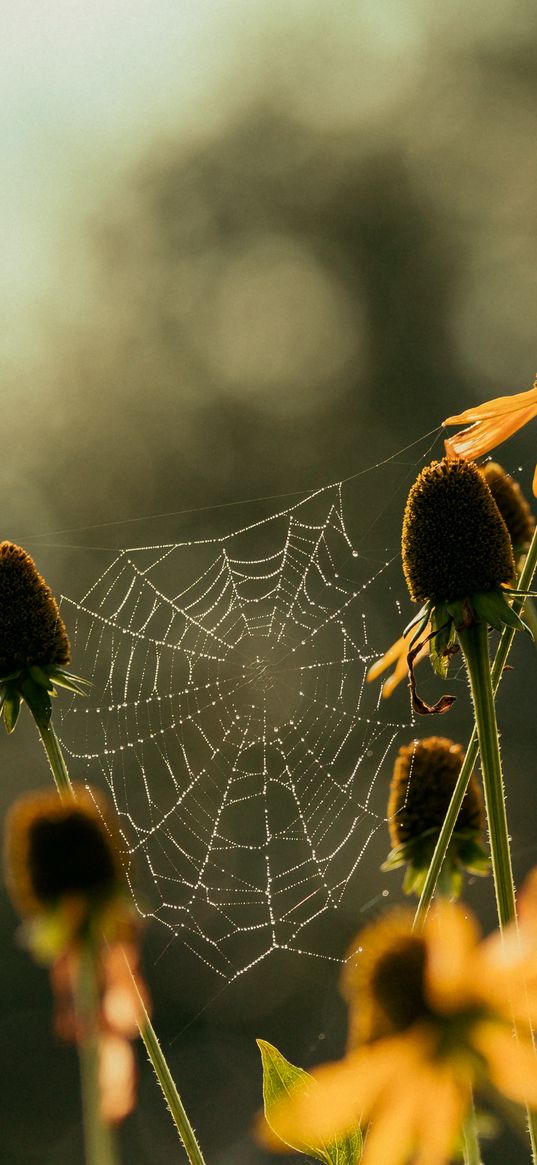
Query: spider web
point(231, 720)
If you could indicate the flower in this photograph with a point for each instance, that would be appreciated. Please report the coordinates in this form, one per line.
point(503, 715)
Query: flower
point(520, 523)
point(65, 873)
point(424, 777)
point(457, 561)
point(490, 424)
point(34, 647)
point(430, 1019)
point(512, 505)
point(455, 542)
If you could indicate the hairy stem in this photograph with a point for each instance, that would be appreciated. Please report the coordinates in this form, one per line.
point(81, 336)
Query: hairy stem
point(474, 644)
point(470, 1140)
point(500, 659)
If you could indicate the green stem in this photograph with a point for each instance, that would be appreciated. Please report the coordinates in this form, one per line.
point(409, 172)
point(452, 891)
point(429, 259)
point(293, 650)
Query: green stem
point(474, 644)
point(56, 760)
point(470, 1140)
point(154, 1051)
point(167, 1084)
point(500, 659)
point(98, 1136)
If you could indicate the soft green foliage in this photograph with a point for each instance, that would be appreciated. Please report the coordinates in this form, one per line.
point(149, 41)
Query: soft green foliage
point(281, 1079)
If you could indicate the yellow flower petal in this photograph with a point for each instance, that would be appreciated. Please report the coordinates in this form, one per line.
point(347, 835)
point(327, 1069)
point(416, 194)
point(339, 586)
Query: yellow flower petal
point(490, 423)
point(396, 654)
point(451, 935)
point(512, 1063)
point(392, 1132)
point(448, 1101)
point(496, 407)
point(483, 436)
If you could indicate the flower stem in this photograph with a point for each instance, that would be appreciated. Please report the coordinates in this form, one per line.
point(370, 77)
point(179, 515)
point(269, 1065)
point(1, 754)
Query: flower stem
point(167, 1084)
point(500, 659)
point(98, 1136)
point(474, 644)
point(56, 760)
point(470, 1140)
point(154, 1051)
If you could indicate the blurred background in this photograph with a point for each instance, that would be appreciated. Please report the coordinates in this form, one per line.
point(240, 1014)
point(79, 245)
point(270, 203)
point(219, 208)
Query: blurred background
point(248, 249)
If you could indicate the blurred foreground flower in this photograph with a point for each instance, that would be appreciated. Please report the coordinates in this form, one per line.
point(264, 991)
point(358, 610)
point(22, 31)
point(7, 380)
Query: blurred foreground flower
point(430, 1018)
point(424, 777)
point(34, 647)
point(490, 424)
point(65, 876)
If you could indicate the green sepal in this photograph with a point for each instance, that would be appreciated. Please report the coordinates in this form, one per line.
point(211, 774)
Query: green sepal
point(494, 609)
point(280, 1080)
point(414, 879)
point(472, 856)
point(67, 679)
point(530, 617)
point(397, 857)
point(41, 677)
point(37, 699)
point(12, 707)
point(12, 676)
point(419, 622)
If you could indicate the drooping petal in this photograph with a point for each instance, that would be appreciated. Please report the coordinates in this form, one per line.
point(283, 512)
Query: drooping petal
point(512, 1062)
point(116, 1077)
point(485, 435)
point(448, 1099)
point(490, 423)
point(392, 1132)
point(396, 654)
point(122, 1006)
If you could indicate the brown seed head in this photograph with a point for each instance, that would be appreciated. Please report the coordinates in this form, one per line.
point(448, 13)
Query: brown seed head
point(61, 850)
point(455, 541)
point(31, 628)
point(383, 979)
point(424, 777)
point(512, 505)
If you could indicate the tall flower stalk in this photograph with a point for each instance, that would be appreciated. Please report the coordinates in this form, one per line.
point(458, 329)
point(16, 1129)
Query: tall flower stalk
point(525, 581)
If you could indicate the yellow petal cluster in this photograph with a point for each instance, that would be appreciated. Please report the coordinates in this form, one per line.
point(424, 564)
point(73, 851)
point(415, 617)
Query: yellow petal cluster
point(447, 1028)
point(491, 423)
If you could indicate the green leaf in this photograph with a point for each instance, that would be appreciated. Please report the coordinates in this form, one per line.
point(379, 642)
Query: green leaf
point(12, 707)
point(280, 1080)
